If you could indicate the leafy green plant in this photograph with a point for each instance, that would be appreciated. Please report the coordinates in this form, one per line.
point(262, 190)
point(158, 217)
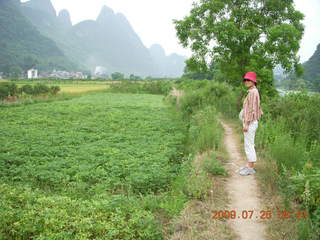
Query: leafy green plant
point(161, 87)
point(212, 165)
point(8, 89)
point(40, 89)
point(197, 184)
point(11, 89)
point(27, 89)
point(86, 175)
point(205, 131)
point(54, 90)
point(27, 213)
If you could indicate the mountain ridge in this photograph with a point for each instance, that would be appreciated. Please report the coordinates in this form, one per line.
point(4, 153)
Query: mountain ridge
point(109, 41)
point(22, 45)
point(312, 69)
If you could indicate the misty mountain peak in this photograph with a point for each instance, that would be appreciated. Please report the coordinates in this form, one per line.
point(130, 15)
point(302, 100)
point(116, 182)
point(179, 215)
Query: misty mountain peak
point(157, 50)
point(10, 1)
point(105, 14)
point(64, 17)
point(42, 5)
point(122, 18)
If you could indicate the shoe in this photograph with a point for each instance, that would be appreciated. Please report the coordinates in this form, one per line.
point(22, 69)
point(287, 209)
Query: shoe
point(243, 168)
point(247, 171)
point(240, 169)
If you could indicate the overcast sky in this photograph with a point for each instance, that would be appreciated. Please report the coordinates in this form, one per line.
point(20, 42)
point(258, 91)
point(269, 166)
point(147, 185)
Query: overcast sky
point(152, 19)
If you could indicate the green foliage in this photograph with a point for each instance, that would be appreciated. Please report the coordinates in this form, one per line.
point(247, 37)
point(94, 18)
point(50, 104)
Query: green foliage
point(27, 213)
point(81, 154)
point(200, 93)
point(197, 184)
point(54, 90)
point(288, 153)
point(27, 89)
point(8, 89)
point(40, 89)
point(295, 84)
point(205, 131)
point(86, 175)
point(134, 78)
point(162, 87)
point(249, 35)
point(11, 89)
point(301, 113)
point(306, 186)
point(15, 72)
point(117, 76)
point(213, 166)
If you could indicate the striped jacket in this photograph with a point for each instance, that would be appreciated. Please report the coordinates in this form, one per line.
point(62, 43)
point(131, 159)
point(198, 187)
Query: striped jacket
point(251, 106)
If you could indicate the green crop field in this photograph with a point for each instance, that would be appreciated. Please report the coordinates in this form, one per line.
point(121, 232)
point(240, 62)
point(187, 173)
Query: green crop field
point(76, 169)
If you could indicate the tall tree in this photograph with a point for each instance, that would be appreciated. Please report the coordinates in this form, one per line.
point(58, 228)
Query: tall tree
point(243, 35)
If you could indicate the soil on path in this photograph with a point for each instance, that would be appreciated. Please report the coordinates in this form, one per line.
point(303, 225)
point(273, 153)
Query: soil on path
point(243, 192)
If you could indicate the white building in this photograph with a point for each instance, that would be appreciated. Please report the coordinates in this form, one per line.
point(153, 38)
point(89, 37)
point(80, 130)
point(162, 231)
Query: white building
point(100, 70)
point(32, 73)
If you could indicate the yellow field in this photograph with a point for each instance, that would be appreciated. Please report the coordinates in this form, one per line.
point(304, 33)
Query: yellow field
point(81, 89)
point(76, 88)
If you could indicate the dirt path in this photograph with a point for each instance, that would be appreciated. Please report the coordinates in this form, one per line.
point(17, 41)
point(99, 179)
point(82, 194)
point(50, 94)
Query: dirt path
point(243, 191)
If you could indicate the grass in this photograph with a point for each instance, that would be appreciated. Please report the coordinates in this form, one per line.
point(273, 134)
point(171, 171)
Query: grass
point(196, 222)
point(213, 166)
point(204, 188)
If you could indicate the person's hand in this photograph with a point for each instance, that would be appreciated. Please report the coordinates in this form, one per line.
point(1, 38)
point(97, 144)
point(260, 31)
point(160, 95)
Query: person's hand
point(245, 128)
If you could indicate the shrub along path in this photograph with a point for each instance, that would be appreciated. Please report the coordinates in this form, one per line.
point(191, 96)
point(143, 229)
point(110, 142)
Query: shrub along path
point(243, 192)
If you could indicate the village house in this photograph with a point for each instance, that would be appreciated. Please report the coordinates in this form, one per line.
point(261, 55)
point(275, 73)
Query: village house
point(56, 74)
point(32, 73)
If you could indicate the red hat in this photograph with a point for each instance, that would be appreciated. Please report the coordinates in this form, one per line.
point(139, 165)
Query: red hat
point(251, 76)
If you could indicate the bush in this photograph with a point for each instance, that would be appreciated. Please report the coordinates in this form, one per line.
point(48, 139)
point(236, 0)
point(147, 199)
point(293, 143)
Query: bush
point(40, 89)
point(54, 90)
point(199, 93)
point(301, 113)
point(8, 89)
point(212, 165)
point(11, 89)
point(27, 89)
point(161, 87)
point(205, 131)
point(197, 185)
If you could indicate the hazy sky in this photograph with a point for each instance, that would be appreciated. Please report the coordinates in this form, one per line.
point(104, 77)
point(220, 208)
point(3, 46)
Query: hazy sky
point(152, 19)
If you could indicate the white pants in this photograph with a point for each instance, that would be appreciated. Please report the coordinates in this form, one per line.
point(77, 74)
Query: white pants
point(249, 146)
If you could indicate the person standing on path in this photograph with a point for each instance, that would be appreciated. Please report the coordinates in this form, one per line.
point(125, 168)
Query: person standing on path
point(250, 115)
